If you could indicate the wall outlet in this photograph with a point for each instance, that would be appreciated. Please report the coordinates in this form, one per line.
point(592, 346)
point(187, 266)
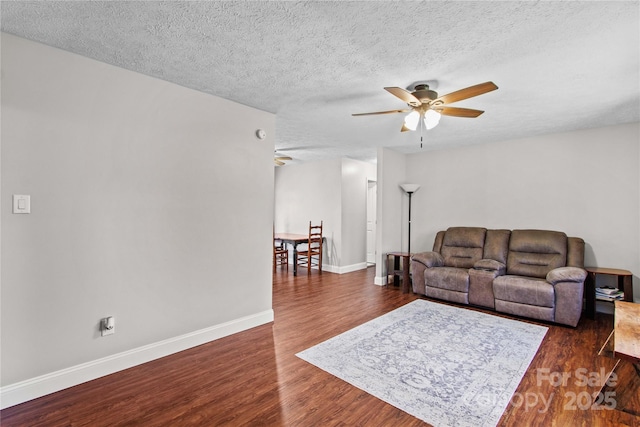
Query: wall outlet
point(108, 326)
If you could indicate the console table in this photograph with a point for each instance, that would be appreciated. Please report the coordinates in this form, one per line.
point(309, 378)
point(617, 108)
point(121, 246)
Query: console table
point(397, 272)
point(624, 280)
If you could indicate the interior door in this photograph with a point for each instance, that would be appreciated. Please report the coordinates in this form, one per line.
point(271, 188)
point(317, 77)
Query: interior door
point(371, 222)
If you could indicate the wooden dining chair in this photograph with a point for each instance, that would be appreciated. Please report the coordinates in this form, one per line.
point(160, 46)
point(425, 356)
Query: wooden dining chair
point(311, 256)
point(280, 254)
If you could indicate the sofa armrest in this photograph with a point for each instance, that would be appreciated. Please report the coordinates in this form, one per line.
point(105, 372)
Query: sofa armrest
point(490, 265)
point(568, 284)
point(419, 263)
point(566, 274)
point(429, 259)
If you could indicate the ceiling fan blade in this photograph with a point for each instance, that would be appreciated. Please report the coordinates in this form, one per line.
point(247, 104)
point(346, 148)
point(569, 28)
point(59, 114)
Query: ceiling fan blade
point(469, 92)
point(458, 112)
point(278, 162)
point(404, 95)
point(283, 158)
point(381, 112)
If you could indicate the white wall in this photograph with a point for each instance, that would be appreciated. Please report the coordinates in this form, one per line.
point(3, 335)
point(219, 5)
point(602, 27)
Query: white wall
point(141, 206)
point(333, 191)
point(392, 209)
point(310, 192)
point(585, 183)
point(354, 211)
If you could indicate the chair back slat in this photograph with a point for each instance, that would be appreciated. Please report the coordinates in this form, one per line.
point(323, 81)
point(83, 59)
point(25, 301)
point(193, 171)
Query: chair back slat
point(315, 236)
point(280, 253)
point(312, 254)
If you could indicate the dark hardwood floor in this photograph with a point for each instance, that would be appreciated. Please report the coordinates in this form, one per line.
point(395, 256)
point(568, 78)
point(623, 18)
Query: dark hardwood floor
point(254, 378)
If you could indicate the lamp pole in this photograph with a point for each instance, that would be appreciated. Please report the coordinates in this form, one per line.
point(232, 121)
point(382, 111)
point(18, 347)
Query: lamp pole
point(409, 234)
point(409, 189)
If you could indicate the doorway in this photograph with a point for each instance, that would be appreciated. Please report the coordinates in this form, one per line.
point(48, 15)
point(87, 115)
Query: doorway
point(371, 222)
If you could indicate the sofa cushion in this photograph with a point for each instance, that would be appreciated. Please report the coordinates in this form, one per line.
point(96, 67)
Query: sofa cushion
point(447, 295)
point(437, 242)
point(524, 290)
point(463, 246)
point(525, 310)
point(496, 245)
point(536, 252)
point(575, 252)
point(450, 278)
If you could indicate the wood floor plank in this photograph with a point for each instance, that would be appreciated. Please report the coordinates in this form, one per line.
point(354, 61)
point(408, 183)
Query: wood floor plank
point(254, 378)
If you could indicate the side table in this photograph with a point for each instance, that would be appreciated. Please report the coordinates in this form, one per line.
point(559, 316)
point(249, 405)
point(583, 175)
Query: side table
point(406, 259)
point(624, 284)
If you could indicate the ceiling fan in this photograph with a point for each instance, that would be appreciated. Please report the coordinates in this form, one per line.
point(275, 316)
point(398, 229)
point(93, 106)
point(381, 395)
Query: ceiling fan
point(279, 160)
point(427, 105)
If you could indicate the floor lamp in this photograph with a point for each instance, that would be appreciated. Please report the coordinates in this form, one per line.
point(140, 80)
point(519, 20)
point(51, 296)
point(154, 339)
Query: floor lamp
point(409, 189)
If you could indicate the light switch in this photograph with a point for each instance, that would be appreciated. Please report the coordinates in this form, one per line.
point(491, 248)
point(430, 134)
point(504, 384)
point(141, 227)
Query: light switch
point(21, 204)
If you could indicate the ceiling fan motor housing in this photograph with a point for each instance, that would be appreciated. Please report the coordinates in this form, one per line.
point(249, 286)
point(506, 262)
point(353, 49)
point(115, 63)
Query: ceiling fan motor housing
point(424, 94)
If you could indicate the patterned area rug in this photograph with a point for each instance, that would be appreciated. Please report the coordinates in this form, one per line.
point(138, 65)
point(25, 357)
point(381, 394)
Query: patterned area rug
point(445, 365)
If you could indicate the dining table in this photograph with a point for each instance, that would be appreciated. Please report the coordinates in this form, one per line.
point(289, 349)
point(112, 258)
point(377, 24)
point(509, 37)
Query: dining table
point(294, 240)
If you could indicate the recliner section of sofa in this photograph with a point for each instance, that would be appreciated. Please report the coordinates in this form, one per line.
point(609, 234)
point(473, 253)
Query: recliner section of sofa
point(532, 273)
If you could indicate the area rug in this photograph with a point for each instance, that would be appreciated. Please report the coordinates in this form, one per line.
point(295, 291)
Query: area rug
point(445, 365)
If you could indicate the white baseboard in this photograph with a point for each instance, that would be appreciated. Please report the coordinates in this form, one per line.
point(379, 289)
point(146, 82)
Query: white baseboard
point(351, 268)
point(381, 280)
point(335, 268)
point(24, 391)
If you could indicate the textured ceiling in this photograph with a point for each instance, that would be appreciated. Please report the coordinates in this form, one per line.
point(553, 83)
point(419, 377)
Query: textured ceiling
point(560, 66)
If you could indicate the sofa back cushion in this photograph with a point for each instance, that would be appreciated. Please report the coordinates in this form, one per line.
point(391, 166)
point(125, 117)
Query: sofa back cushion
point(496, 245)
point(437, 243)
point(534, 253)
point(575, 252)
point(462, 246)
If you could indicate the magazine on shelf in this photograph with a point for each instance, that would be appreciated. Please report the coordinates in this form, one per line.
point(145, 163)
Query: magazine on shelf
point(608, 291)
point(609, 294)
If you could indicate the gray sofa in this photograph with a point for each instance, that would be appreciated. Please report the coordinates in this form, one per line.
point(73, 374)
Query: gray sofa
point(532, 273)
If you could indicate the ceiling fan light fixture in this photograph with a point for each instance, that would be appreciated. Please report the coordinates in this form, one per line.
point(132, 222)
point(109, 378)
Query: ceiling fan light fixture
point(431, 119)
point(412, 119)
point(425, 104)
